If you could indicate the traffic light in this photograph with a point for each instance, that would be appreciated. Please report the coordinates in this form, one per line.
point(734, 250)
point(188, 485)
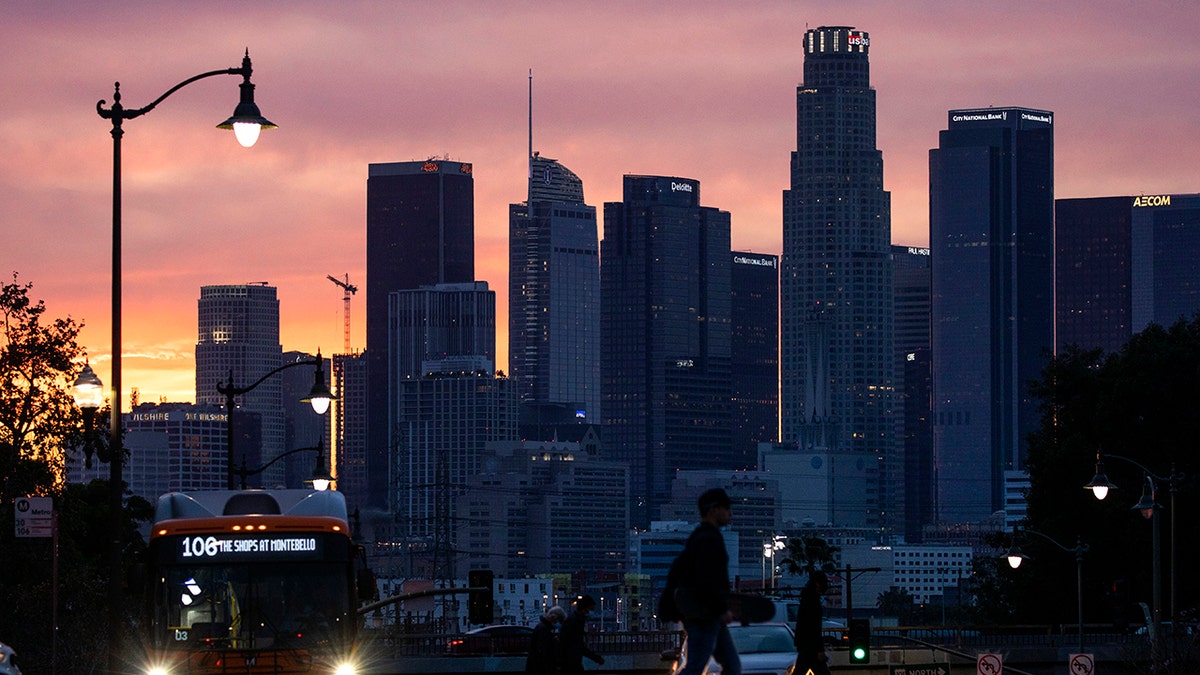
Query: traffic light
point(480, 603)
point(860, 641)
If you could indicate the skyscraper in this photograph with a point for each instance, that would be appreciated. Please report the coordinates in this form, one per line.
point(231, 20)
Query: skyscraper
point(554, 293)
point(435, 325)
point(239, 343)
point(420, 231)
point(754, 281)
point(665, 336)
point(910, 468)
point(1122, 264)
point(991, 220)
point(836, 278)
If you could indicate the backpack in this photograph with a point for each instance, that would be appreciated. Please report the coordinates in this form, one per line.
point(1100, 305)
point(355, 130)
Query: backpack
point(668, 610)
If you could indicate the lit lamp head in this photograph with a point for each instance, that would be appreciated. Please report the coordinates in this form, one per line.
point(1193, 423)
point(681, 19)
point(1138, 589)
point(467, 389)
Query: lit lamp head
point(320, 396)
point(1015, 557)
point(1100, 485)
point(88, 392)
point(247, 122)
point(320, 476)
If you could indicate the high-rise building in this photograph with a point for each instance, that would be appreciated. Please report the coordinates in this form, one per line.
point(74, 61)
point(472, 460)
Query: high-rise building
point(665, 336)
point(1122, 264)
point(434, 325)
point(348, 455)
point(420, 232)
point(238, 344)
point(754, 280)
point(443, 423)
point(554, 293)
point(836, 354)
point(540, 507)
point(173, 447)
point(991, 219)
point(910, 467)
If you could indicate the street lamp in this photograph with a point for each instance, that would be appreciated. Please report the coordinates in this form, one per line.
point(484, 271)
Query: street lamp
point(320, 475)
point(1148, 507)
point(1015, 558)
point(88, 393)
point(319, 397)
point(246, 113)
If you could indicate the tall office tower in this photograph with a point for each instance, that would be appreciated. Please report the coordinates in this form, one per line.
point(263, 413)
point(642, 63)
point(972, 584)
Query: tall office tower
point(665, 336)
point(754, 349)
point(239, 339)
point(554, 293)
point(1092, 272)
point(911, 462)
point(420, 231)
point(551, 507)
point(991, 221)
point(348, 453)
point(443, 423)
point(1165, 230)
point(836, 278)
point(432, 326)
point(1122, 264)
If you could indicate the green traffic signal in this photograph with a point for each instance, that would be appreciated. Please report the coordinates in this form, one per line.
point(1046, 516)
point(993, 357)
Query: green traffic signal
point(860, 641)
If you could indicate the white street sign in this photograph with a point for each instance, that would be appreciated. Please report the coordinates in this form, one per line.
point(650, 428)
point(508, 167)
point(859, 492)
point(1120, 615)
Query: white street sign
point(33, 516)
point(1081, 664)
point(989, 664)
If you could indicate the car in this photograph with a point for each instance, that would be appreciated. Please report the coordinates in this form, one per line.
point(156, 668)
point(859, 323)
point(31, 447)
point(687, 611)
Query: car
point(8, 664)
point(764, 649)
point(497, 639)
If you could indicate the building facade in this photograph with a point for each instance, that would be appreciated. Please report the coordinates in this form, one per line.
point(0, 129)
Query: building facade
point(913, 458)
point(554, 293)
point(238, 344)
point(420, 231)
point(754, 280)
point(991, 219)
point(665, 336)
point(1124, 263)
point(348, 455)
point(836, 279)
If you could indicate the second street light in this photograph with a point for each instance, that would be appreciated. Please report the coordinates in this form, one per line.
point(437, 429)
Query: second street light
point(246, 123)
point(1149, 509)
point(1015, 557)
point(319, 397)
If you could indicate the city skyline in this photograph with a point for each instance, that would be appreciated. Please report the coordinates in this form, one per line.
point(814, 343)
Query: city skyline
point(621, 88)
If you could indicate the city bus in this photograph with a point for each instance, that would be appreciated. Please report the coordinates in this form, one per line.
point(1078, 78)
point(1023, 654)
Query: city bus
point(251, 581)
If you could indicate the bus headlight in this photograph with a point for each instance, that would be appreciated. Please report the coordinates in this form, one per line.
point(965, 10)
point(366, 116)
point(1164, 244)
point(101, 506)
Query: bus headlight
point(157, 670)
point(346, 669)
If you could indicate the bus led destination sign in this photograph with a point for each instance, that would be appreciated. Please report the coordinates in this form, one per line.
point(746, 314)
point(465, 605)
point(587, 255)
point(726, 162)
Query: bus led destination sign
point(202, 548)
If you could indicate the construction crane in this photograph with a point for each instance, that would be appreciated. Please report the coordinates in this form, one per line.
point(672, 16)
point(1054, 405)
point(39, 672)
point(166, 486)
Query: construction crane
point(348, 289)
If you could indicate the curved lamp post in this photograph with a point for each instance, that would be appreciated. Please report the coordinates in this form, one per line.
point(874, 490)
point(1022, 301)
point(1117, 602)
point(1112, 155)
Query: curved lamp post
point(319, 397)
point(320, 475)
point(1015, 558)
point(1148, 507)
point(246, 123)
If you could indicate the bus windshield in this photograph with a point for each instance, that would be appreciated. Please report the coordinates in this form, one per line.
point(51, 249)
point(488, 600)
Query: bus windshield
point(275, 605)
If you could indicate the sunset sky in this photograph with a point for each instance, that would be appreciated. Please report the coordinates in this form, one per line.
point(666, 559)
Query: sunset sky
point(698, 89)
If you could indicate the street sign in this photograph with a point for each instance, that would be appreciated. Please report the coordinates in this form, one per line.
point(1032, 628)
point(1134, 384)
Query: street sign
point(989, 664)
point(33, 516)
point(922, 669)
point(1081, 664)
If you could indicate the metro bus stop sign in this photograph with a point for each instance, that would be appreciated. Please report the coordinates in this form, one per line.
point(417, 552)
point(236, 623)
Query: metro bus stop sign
point(33, 516)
